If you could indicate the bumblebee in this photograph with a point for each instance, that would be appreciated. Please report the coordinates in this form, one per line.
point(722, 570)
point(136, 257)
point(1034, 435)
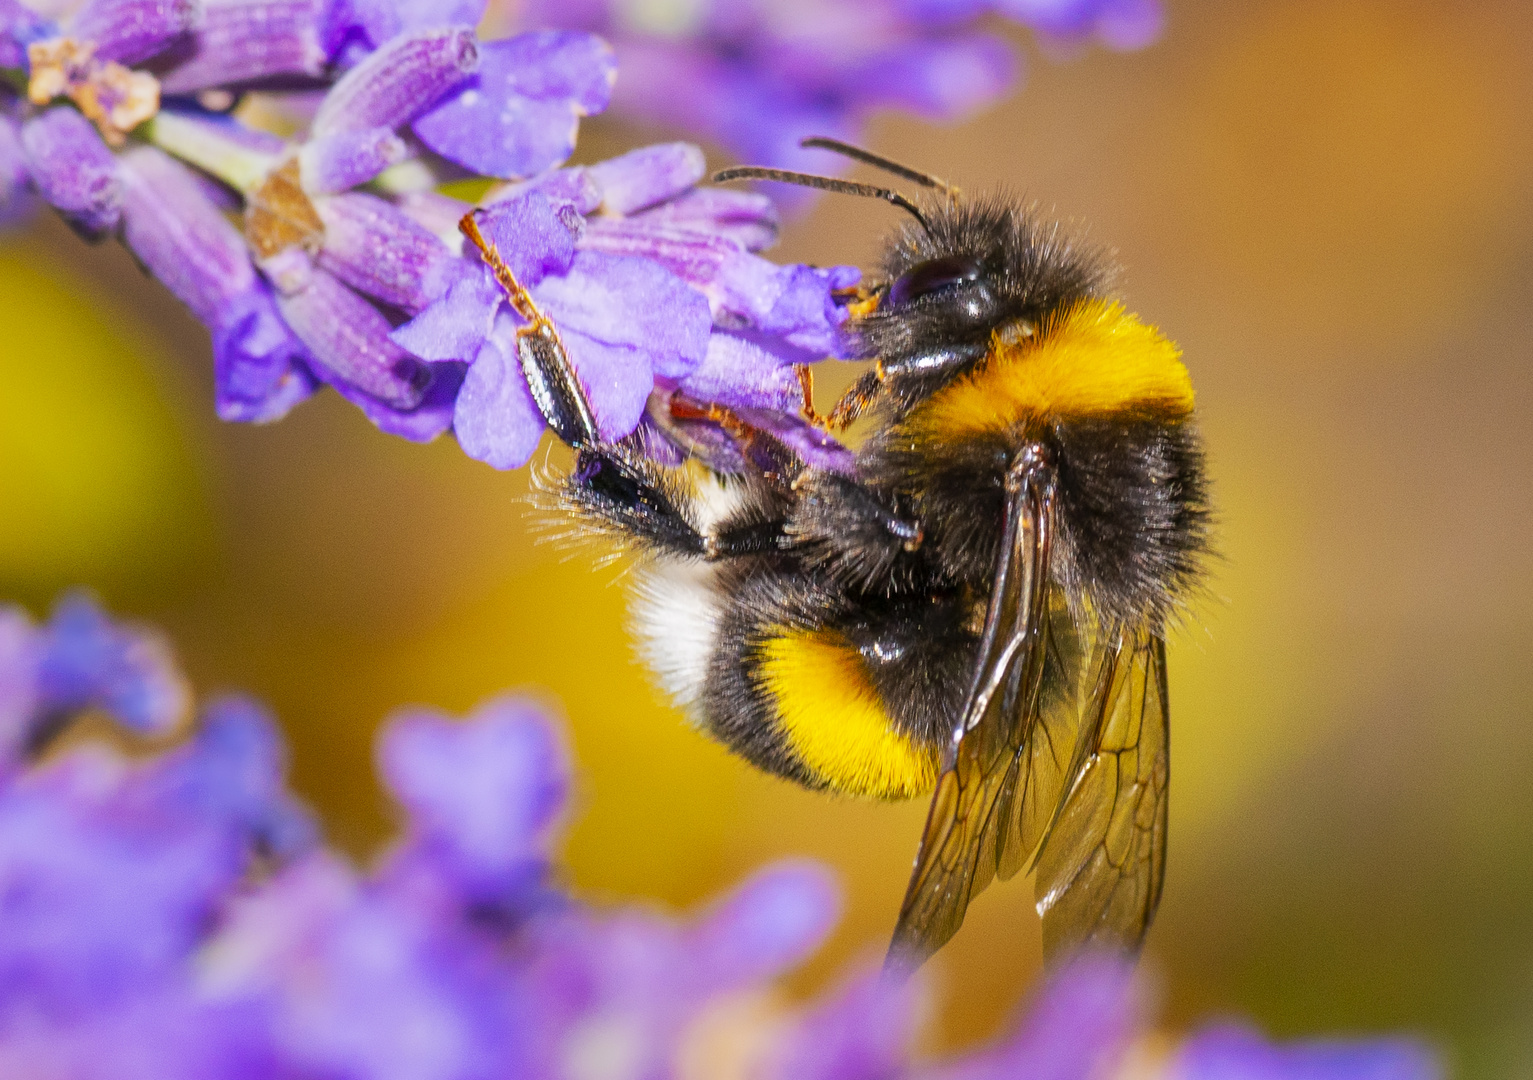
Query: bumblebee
point(976, 609)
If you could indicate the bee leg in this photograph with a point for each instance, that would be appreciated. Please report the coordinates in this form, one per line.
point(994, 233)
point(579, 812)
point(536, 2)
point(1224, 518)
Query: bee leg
point(616, 490)
point(642, 504)
point(853, 403)
point(540, 351)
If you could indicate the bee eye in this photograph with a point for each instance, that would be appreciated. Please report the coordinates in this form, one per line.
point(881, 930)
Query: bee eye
point(923, 279)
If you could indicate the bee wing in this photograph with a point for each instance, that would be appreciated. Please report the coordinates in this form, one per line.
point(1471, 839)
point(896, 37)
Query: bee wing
point(1006, 769)
point(1061, 750)
point(1099, 871)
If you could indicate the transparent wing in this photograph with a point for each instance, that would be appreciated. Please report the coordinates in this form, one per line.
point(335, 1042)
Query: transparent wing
point(1099, 873)
point(1013, 750)
point(1061, 750)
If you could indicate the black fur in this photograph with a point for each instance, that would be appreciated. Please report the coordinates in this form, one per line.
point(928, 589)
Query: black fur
point(1133, 514)
point(619, 492)
point(765, 595)
point(843, 527)
point(1132, 496)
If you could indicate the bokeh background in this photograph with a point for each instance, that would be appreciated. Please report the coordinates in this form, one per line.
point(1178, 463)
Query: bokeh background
point(1330, 206)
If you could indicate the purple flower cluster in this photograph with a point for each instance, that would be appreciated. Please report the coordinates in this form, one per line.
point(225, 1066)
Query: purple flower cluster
point(176, 916)
point(656, 290)
point(653, 282)
point(756, 76)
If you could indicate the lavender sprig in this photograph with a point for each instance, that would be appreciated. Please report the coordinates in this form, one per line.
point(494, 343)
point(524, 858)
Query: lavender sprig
point(654, 284)
point(177, 916)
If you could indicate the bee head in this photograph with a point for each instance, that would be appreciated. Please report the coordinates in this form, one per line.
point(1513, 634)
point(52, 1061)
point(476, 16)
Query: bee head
point(966, 270)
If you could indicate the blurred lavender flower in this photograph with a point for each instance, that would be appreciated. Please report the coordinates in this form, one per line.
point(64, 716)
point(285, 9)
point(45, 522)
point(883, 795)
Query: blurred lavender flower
point(757, 76)
point(1236, 1052)
point(175, 916)
point(82, 660)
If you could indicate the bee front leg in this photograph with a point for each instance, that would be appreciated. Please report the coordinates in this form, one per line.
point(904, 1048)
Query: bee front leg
point(550, 376)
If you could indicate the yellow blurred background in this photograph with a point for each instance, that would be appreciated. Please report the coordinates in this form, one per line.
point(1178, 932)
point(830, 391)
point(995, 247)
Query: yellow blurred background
point(1328, 205)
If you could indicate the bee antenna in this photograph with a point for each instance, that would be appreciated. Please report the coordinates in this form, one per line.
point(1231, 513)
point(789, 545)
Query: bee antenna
point(824, 183)
point(878, 161)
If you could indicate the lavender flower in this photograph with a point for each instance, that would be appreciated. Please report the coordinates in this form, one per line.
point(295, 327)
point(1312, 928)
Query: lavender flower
point(655, 289)
point(337, 267)
point(175, 916)
point(757, 77)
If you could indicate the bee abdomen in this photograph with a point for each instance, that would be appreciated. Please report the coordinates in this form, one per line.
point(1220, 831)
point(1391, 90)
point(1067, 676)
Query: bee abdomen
point(833, 721)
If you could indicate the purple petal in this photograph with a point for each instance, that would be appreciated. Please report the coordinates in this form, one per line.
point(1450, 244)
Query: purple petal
point(696, 257)
point(129, 31)
point(181, 237)
point(510, 137)
point(259, 372)
point(496, 421)
point(519, 114)
point(617, 380)
point(348, 342)
point(555, 65)
point(242, 41)
point(535, 236)
point(739, 372)
point(455, 326)
point(1234, 1051)
point(15, 198)
point(382, 253)
point(108, 889)
point(1057, 18)
point(866, 1031)
point(348, 159)
point(360, 983)
point(740, 217)
point(771, 922)
point(814, 446)
point(1130, 24)
point(1079, 1023)
point(398, 81)
point(482, 795)
point(427, 420)
point(634, 303)
point(87, 660)
point(381, 20)
point(944, 12)
point(946, 78)
point(649, 175)
point(20, 655)
point(705, 440)
point(73, 169)
point(19, 27)
point(234, 771)
point(572, 186)
point(805, 315)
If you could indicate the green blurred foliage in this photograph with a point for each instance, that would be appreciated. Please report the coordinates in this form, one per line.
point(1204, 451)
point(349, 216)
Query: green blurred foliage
point(1326, 205)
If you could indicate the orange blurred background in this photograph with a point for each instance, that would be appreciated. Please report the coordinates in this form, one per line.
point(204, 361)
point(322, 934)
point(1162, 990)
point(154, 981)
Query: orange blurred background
point(1327, 205)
